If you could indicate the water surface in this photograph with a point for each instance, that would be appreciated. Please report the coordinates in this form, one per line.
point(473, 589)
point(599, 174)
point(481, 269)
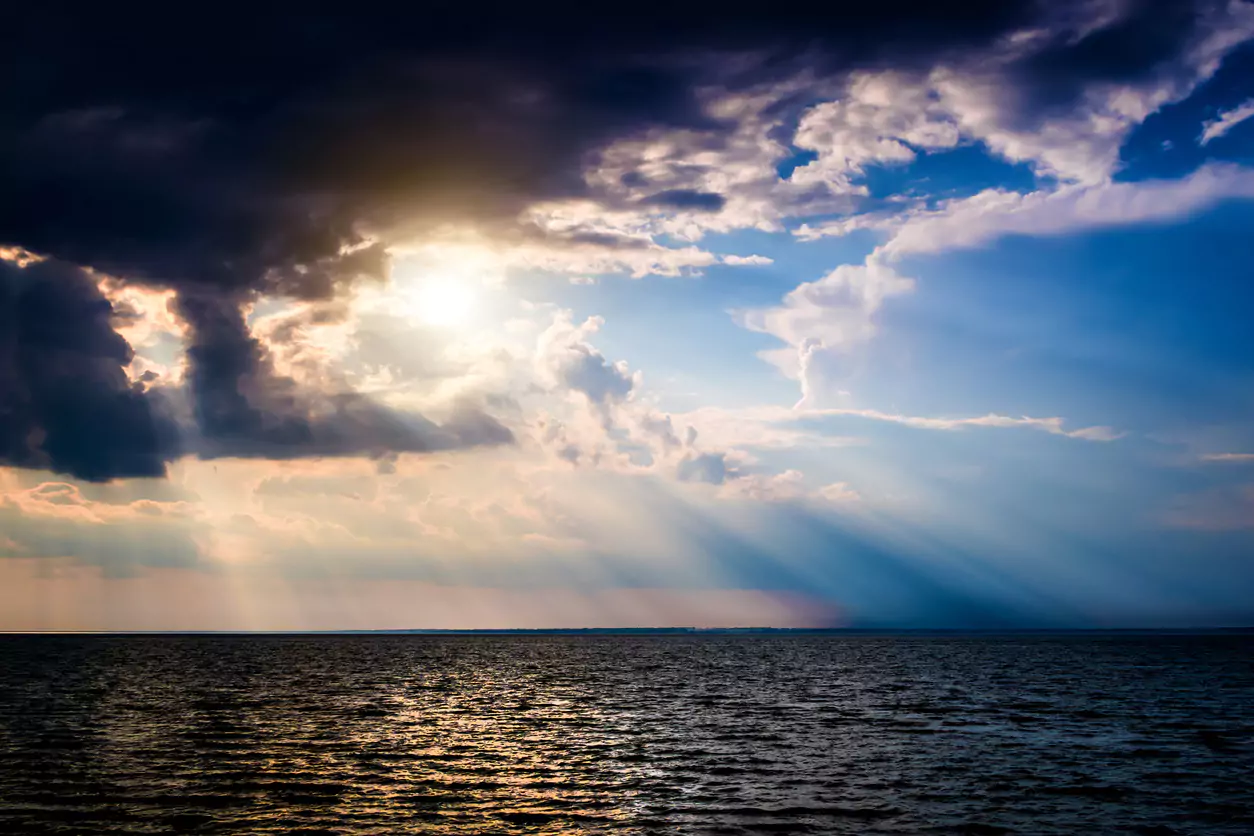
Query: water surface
point(636, 734)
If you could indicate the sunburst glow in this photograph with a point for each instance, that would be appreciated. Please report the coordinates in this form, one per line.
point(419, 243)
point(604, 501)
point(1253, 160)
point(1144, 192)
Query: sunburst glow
point(443, 301)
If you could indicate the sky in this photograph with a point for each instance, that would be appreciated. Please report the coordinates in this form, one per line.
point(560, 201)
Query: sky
point(489, 315)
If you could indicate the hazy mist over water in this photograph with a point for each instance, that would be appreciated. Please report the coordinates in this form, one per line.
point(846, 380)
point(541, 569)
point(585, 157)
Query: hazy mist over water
point(627, 734)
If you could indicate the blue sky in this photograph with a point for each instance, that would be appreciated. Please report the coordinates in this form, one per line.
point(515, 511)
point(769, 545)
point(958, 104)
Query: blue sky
point(959, 342)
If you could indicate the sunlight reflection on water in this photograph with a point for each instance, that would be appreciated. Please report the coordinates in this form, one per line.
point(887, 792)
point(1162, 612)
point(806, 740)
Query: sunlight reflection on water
point(797, 734)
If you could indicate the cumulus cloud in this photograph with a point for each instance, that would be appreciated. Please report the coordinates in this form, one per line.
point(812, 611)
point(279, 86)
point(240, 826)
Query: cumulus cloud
point(705, 467)
point(570, 361)
point(1226, 120)
point(832, 313)
point(881, 118)
point(619, 428)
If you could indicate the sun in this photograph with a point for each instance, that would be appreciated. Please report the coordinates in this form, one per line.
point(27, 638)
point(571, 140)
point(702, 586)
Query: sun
point(443, 301)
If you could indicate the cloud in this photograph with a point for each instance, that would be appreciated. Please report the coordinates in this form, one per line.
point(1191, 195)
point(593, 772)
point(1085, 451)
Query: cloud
point(762, 428)
point(686, 199)
point(1061, 95)
point(293, 171)
point(1236, 458)
point(569, 360)
point(1053, 96)
point(790, 487)
point(70, 407)
point(562, 239)
point(1053, 426)
point(242, 407)
point(759, 422)
point(711, 468)
point(1226, 121)
point(66, 403)
point(820, 319)
point(620, 429)
point(278, 172)
point(882, 118)
point(993, 213)
point(836, 309)
point(1065, 102)
point(361, 130)
point(838, 492)
point(58, 520)
point(834, 312)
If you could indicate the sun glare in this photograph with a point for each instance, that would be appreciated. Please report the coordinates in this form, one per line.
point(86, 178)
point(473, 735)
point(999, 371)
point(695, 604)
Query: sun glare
point(444, 301)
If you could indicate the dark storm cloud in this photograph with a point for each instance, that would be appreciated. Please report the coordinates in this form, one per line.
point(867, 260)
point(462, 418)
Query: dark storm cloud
point(230, 155)
point(65, 401)
point(236, 151)
point(1125, 51)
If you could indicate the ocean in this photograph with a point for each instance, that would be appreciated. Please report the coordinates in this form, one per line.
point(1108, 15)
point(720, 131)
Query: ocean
point(627, 734)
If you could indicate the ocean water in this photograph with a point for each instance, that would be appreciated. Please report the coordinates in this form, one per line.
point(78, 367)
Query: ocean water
point(636, 734)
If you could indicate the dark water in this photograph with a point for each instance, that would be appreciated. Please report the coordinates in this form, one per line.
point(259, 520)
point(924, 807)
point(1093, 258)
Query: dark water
point(673, 734)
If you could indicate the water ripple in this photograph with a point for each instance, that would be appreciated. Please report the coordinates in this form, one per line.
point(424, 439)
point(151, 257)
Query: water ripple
point(672, 734)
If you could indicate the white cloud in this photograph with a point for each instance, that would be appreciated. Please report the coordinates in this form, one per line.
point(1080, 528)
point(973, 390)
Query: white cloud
point(836, 311)
point(685, 183)
point(588, 252)
point(1236, 458)
point(619, 428)
point(880, 118)
point(1053, 426)
point(886, 117)
point(844, 226)
point(759, 421)
point(569, 361)
point(838, 492)
point(790, 486)
point(1082, 144)
point(839, 310)
point(977, 220)
point(1226, 121)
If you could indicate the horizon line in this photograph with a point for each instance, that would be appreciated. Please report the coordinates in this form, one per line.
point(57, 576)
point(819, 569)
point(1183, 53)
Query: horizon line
point(650, 630)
